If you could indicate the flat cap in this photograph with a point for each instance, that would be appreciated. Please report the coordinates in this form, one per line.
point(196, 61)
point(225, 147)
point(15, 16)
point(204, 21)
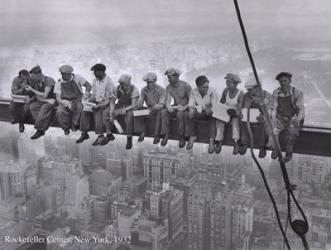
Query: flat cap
point(281, 74)
point(35, 70)
point(150, 76)
point(98, 67)
point(250, 83)
point(172, 71)
point(233, 78)
point(124, 79)
point(66, 69)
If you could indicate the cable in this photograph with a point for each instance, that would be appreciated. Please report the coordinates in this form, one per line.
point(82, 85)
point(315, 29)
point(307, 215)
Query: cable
point(264, 179)
point(300, 227)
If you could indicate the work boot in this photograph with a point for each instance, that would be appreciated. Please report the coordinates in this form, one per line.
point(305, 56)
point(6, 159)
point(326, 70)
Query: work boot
point(274, 154)
point(191, 142)
point(66, 131)
point(211, 147)
point(21, 127)
point(262, 152)
point(107, 139)
point(141, 137)
point(236, 148)
point(129, 142)
point(84, 136)
point(182, 142)
point(164, 140)
point(38, 134)
point(243, 149)
point(74, 128)
point(156, 139)
point(288, 157)
point(218, 147)
point(98, 140)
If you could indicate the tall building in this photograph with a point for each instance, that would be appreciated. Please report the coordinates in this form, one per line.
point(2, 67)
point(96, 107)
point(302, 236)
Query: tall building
point(198, 223)
point(220, 222)
point(242, 224)
point(16, 178)
point(161, 167)
point(309, 169)
point(102, 182)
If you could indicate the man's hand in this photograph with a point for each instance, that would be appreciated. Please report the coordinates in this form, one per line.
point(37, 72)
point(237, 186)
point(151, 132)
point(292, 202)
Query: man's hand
point(208, 112)
point(28, 88)
point(123, 111)
point(199, 109)
point(276, 131)
point(171, 109)
point(295, 122)
point(96, 108)
point(86, 95)
point(181, 108)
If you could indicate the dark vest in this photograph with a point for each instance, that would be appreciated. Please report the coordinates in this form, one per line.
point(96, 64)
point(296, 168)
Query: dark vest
point(40, 86)
point(124, 99)
point(70, 90)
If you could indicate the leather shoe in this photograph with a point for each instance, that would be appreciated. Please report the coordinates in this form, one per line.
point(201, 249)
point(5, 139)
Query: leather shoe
point(235, 148)
point(66, 131)
point(218, 147)
point(38, 134)
point(107, 139)
point(141, 137)
point(262, 152)
point(82, 138)
point(164, 140)
point(243, 149)
point(98, 140)
point(211, 147)
point(182, 142)
point(21, 127)
point(288, 157)
point(128, 143)
point(156, 139)
point(191, 142)
point(274, 154)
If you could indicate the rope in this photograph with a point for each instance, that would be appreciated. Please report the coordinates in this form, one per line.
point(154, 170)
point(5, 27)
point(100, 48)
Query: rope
point(299, 227)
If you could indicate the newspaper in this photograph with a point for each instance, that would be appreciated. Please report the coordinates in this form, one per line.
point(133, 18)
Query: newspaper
point(253, 115)
point(87, 106)
point(20, 98)
point(220, 112)
point(142, 112)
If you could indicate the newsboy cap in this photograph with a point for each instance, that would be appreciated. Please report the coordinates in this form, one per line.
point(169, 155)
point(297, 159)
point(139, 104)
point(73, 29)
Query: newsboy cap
point(98, 67)
point(66, 69)
point(251, 83)
point(124, 79)
point(233, 78)
point(150, 76)
point(281, 74)
point(35, 70)
point(172, 71)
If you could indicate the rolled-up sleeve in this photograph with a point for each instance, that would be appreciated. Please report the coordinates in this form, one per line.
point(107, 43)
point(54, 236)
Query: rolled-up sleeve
point(300, 105)
point(192, 100)
point(57, 87)
point(110, 90)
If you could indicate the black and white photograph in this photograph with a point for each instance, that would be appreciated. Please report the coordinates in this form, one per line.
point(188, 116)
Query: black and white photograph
point(165, 125)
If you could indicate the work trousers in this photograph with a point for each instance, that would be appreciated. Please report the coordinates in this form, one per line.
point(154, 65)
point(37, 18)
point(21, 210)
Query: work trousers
point(126, 119)
point(202, 117)
point(19, 111)
point(70, 117)
point(101, 121)
point(262, 138)
point(183, 122)
point(220, 128)
point(42, 113)
point(160, 118)
point(290, 130)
